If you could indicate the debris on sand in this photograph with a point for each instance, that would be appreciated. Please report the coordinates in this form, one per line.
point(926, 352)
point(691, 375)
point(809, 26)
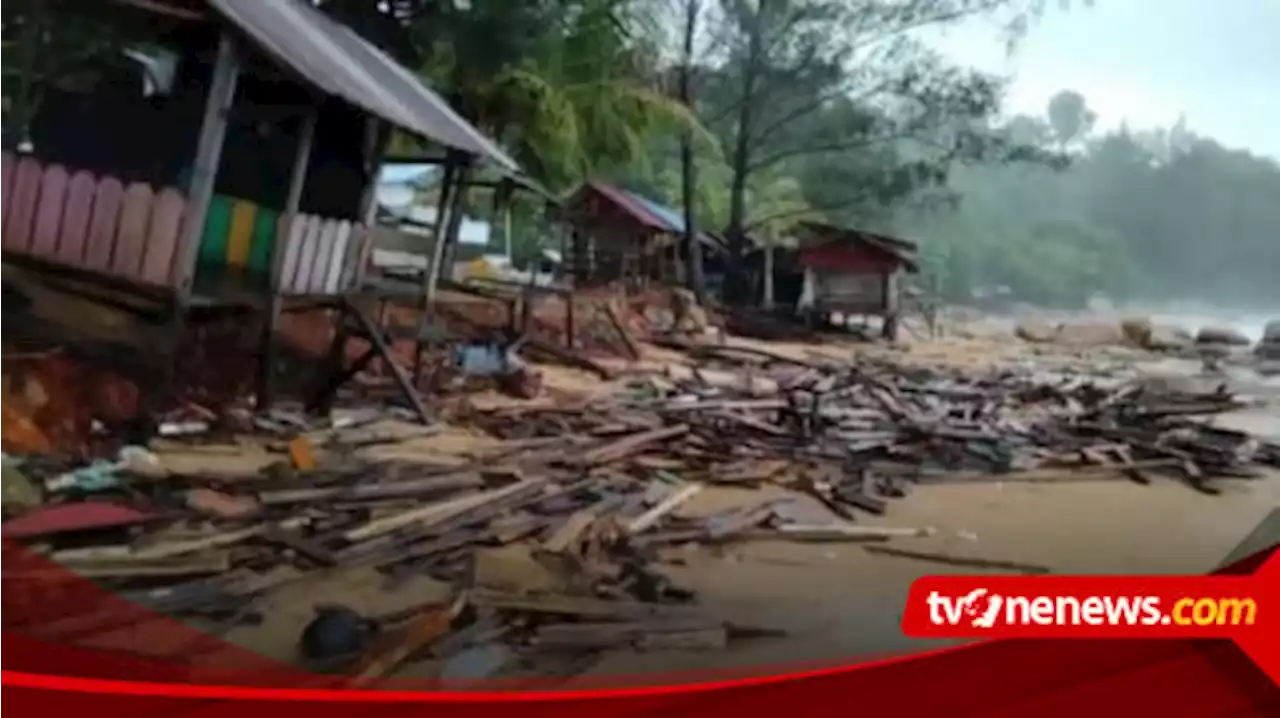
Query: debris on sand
point(551, 539)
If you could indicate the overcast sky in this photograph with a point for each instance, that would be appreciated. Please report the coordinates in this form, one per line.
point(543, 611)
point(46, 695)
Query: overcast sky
point(1148, 61)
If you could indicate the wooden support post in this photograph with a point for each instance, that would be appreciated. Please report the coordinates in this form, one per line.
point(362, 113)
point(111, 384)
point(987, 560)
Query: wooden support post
point(457, 213)
point(431, 277)
point(270, 325)
point(449, 185)
point(442, 252)
point(378, 347)
point(568, 320)
point(767, 300)
point(204, 174)
point(375, 137)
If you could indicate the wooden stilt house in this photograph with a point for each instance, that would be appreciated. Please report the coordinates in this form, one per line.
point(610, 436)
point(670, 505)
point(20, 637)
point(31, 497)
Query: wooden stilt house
point(245, 186)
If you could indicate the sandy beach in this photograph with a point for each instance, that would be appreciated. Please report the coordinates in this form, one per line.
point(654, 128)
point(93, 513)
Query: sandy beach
point(836, 600)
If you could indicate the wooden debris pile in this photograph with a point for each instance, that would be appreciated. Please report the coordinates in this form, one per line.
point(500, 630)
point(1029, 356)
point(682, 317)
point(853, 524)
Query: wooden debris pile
point(551, 540)
point(855, 436)
point(548, 546)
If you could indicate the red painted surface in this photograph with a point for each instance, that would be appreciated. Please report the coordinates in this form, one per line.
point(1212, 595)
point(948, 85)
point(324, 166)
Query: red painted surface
point(83, 516)
point(844, 258)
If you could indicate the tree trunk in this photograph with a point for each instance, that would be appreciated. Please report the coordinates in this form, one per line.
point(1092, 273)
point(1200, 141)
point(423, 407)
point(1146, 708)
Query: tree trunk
point(740, 161)
point(768, 275)
point(692, 247)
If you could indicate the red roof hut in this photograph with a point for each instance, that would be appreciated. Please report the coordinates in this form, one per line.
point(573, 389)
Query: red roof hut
point(853, 272)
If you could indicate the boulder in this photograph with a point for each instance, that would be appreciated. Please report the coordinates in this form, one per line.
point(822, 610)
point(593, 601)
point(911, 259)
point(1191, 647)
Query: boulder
point(1137, 330)
point(689, 316)
point(1090, 333)
point(1035, 330)
point(1268, 367)
point(1268, 348)
point(1164, 338)
point(1271, 332)
point(1222, 335)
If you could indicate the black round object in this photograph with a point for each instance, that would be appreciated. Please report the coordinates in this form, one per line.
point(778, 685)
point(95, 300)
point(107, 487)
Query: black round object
point(335, 632)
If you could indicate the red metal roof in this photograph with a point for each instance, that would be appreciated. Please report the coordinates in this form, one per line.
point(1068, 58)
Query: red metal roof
point(831, 237)
point(626, 203)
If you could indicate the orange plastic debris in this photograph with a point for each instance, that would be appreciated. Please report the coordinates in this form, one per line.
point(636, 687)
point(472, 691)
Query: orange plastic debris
point(20, 433)
point(300, 451)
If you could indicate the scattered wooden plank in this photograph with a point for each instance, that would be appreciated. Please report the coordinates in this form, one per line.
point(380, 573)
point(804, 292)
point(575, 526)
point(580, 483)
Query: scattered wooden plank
point(433, 514)
point(389, 653)
point(646, 520)
point(967, 562)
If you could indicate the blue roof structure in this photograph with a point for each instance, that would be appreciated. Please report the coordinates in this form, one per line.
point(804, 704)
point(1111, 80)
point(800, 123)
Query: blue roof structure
point(671, 218)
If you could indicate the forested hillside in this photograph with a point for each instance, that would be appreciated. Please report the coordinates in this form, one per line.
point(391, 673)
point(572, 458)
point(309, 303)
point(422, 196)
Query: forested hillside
point(1151, 214)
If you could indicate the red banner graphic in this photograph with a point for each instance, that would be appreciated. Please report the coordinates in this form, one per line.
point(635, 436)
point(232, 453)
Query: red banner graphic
point(1244, 609)
point(1194, 674)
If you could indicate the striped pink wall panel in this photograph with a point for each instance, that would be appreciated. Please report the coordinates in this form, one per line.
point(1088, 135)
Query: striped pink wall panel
point(103, 222)
point(48, 222)
point(8, 165)
point(19, 220)
point(131, 235)
point(163, 235)
point(76, 218)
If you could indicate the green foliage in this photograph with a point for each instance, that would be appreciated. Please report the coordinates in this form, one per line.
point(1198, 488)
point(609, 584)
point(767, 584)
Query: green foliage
point(1151, 215)
point(570, 86)
point(45, 46)
point(1069, 116)
point(842, 98)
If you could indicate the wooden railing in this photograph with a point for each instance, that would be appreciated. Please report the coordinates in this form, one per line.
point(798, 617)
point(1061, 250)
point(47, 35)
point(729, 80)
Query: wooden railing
point(92, 223)
point(133, 232)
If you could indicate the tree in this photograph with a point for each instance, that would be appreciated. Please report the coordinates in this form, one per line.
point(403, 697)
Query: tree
point(1070, 117)
point(47, 46)
point(688, 168)
point(570, 87)
point(1144, 215)
point(841, 94)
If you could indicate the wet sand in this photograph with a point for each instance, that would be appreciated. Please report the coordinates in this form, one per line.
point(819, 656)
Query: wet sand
point(836, 600)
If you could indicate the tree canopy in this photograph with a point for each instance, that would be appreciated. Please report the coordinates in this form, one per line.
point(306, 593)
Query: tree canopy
point(1151, 215)
point(760, 113)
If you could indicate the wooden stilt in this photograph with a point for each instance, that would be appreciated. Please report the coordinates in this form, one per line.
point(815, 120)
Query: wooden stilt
point(204, 173)
point(431, 275)
point(457, 212)
point(335, 372)
point(269, 346)
point(378, 347)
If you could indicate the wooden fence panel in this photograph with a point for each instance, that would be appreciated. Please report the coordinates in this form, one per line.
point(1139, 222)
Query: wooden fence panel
point(163, 237)
point(75, 220)
point(292, 230)
point(324, 253)
point(20, 217)
point(306, 256)
point(49, 209)
point(8, 165)
point(240, 235)
point(338, 259)
point(131, 236)
point(103, 223)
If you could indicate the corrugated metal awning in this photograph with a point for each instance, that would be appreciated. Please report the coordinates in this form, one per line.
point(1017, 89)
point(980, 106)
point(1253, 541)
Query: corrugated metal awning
point(340, 62)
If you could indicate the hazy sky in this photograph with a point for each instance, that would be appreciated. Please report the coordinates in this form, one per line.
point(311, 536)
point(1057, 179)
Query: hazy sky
point(1148, 61)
